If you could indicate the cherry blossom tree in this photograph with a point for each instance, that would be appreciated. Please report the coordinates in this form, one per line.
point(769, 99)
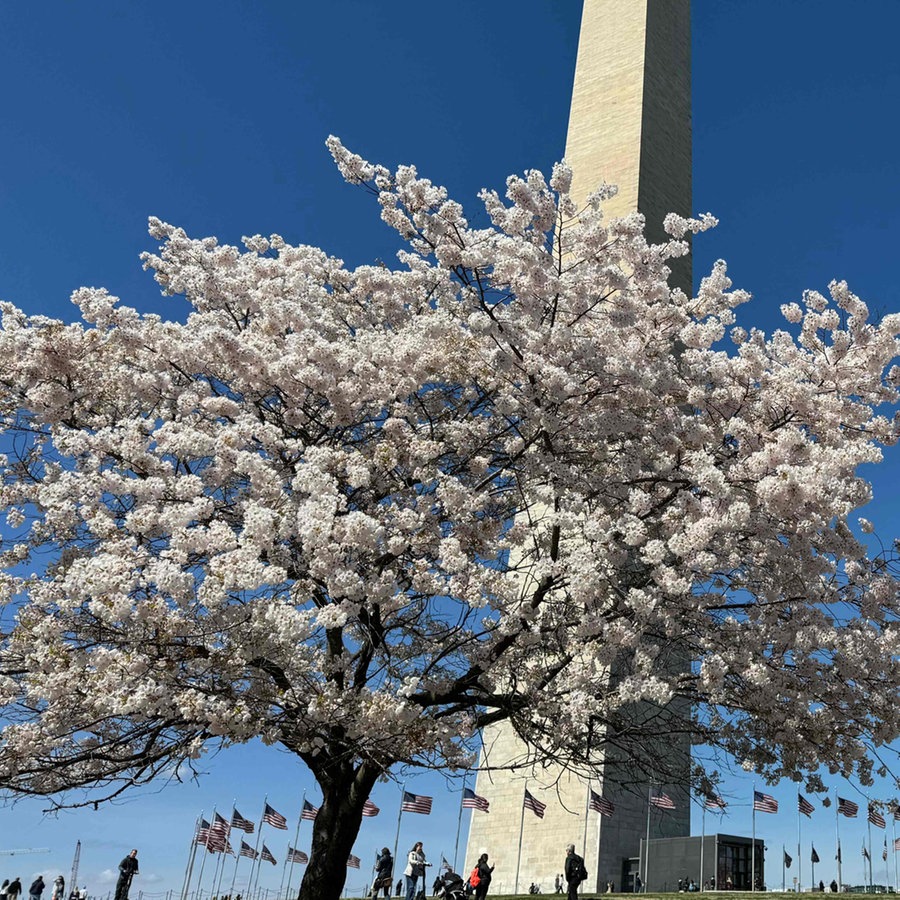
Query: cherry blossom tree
point(361, 514)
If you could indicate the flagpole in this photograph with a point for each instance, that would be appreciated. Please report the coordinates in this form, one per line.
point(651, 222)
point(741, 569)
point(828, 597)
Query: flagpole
point(296, 847)
point(587, 809)
point(521, 829)
point(254, 863)
point(702, 841)
point(753, 846)
point(397, 838)
point(191, 857)
point(203, 860)
point(237, 860)
point(813, 868)
point(783, 870)
point(884, 854)
point(837, 832)
point(894, 845)
point(459, 826)
point(799, 850)
point(647, 841)
point(869, 823)
point(225, 850)
point(212, 884)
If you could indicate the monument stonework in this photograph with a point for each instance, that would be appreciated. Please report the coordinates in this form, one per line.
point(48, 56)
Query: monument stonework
point(629, 125)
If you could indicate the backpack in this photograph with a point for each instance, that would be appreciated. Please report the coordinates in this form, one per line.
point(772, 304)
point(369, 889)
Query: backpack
point(475, 878)
point(582, 871)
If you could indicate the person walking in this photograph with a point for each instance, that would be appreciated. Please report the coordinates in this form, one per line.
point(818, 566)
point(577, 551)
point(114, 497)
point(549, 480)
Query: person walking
point(415, 869)
point(128, 868)
point(575, 871)
point(4, 888)
point(59, 888)
point(14, 889)
point(37, 888)
point(384, 873)
point(484, 877)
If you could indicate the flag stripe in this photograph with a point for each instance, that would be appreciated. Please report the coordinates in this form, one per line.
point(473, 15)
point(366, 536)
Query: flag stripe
point(273, 818)
point(534, 805)
point(416, 803)
point(309, 811)
point(471, 800)
point(601, 805)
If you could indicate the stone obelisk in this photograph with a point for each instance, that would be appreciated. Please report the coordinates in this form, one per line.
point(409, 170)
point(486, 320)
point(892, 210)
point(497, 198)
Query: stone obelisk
point(629, 125)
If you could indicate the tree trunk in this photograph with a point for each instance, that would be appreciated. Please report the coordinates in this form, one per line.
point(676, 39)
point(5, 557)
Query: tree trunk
point(335, 829)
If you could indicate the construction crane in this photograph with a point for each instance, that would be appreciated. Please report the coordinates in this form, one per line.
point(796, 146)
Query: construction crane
point(73, 879)
point(26, 850)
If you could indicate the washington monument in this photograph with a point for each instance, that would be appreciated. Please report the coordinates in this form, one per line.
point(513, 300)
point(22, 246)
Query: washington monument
point(629, 125)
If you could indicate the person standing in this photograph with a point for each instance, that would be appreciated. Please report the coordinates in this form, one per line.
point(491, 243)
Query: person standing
point(415, 869)
point(59, 888)
point(484, 877)
point(384, 873)
point(37, 888)
point(575, 871)
point(4, 888)
point(128, 868)
point(14, 889)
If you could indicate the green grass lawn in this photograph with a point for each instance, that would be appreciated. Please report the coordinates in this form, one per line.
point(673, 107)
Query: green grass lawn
point(716, 895)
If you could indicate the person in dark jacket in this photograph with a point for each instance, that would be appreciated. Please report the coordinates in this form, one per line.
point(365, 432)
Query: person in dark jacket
point(14, 889)
point(484, 877)
point(37, 888)
point(574, 871)
point(384, 873)
point(128, 868)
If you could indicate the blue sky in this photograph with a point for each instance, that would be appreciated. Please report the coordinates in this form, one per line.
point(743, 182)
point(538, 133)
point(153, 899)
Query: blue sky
point(214, 116)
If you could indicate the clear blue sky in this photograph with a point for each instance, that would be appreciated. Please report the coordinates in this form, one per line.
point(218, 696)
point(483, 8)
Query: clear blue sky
point(213, 116)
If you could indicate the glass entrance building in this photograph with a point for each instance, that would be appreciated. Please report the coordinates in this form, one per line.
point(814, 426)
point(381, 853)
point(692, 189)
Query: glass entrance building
point(716, 861)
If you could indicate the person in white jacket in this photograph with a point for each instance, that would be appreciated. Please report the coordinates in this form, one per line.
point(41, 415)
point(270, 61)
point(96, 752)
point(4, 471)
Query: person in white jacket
point(415, 869)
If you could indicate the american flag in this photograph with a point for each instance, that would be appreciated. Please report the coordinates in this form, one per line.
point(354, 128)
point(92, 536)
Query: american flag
point(370, 809)
point(309, 811)
point(788, 859)
point(875, 817)
point(445, 866)
point(297, 856)
point(238, 821)
point(202, 832)
point(275, 819)
point(897, 845)
point(661, 800)
point(601, 805)
point(471, 800)
point(865, 853)
point(814, 857)
point(896, 811)
point(352, 862)
point(416, 803)
point(218, 844)
point(884, 852)
point(837, 855)
point(220, 825)
point(848, 808)
point(248, 851)
point(267, 856)
point(764, 803)
point(714, 801)
point(534, 805)
point(804, 806)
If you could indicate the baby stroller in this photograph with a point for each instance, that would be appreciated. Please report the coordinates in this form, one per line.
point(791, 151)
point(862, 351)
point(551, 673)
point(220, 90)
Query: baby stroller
point(452, 887)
